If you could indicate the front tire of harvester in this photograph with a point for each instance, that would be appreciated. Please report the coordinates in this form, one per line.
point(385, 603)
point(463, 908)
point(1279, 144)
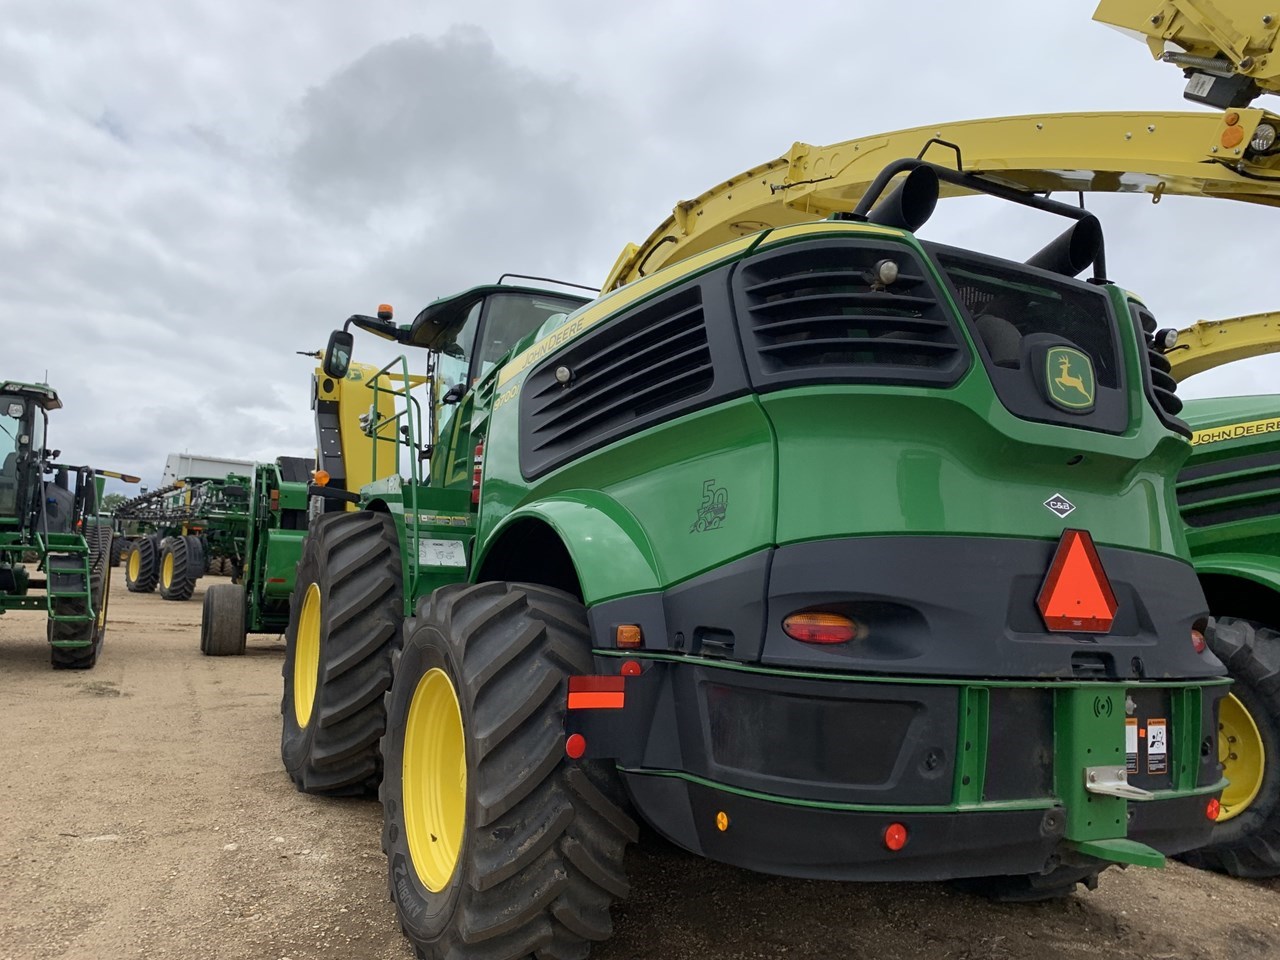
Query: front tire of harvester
point(1246, 839)
point(1031, 887)
point(498, 846)
point(98, 538)
point(345, 619)
point(141, 571)
point(176, 579)
point(222, 632)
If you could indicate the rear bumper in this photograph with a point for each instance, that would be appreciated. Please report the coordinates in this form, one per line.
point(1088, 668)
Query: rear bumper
point(817, 843)
point(988, 777)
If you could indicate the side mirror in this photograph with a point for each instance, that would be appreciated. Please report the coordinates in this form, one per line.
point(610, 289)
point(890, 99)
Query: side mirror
point(337, 354)
point(454, 393)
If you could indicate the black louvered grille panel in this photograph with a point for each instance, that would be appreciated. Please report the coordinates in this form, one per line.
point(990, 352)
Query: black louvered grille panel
point(815, 312)
point(1224, 491)
point(1162, 389)
point(650, 364)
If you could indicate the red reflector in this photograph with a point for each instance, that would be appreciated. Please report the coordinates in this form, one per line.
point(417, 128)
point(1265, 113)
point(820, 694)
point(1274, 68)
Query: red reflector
point(631, 668)
point(1197, 641)
point(596, 693)
point(275, 580)
point(1077, 595)
point(895, 836)
point(575, 745)
point(1213, 809)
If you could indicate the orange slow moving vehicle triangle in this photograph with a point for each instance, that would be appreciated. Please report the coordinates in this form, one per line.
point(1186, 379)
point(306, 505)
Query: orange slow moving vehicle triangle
point(1077, 595)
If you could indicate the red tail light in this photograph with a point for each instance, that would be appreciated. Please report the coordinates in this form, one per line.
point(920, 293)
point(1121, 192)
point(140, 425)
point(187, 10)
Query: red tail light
point(820, 628)
point(1197, 641)
point(475, 474)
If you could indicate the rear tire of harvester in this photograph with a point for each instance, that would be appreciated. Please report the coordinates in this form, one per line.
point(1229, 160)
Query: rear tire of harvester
point(1031, 887)
point(98, 538)
point(1246, 839)
point(222, 631)
point(345, 619)
point(498, 845)
point(142, 572)
point(177, 560)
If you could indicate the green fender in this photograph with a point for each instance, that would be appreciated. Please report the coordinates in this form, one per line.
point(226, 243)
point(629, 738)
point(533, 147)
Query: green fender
point(608, 547)
point(1258, 567)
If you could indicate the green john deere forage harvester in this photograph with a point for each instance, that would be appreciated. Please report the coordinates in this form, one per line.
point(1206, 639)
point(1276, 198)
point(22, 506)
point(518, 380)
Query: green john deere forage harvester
point(1229, 494)
point(53, 521)
point(828, 552)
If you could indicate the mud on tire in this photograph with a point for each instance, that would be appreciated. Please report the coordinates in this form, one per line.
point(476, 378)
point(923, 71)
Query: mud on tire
point(541, 853)
point(350, 568)
point(1248, 844)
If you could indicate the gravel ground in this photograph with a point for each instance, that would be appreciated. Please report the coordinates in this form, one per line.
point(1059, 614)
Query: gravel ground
point(144, 813)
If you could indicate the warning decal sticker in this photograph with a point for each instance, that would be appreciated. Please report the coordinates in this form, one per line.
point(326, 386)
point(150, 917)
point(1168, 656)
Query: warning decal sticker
point(1131, 744)
point(1157, 746)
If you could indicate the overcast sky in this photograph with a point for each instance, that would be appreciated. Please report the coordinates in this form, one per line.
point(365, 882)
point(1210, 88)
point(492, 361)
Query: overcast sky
point(190, 192)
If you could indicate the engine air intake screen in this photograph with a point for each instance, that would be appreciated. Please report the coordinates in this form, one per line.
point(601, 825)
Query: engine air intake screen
point(825, 312)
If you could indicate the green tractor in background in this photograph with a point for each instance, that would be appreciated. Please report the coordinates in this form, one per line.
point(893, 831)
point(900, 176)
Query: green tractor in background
point(828, 552)
point(49, 510)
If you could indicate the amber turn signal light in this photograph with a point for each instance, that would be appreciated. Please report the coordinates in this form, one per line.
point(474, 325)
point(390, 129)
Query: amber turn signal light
point(321, 477)
point(628, 635)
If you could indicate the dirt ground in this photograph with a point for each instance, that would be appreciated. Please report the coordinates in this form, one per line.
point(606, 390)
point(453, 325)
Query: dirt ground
point(144, 813)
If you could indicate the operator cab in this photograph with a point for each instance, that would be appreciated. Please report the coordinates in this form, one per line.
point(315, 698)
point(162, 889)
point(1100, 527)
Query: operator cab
point(474, 329)
point(22, 432)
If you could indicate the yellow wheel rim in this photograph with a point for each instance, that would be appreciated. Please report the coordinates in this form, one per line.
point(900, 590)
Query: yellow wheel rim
point(1242, 755)
point(166, 570)
point(435, 780)
point(306, 656)
point(135, 564)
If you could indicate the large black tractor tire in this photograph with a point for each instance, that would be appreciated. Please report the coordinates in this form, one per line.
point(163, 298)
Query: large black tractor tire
point(345, 619)
point(498, 845)
point(222, 632)
point(117, 544)
point(1031, 887)
point(1246, 839)
point(142, 568)
point(94, 631)
point(179, 562)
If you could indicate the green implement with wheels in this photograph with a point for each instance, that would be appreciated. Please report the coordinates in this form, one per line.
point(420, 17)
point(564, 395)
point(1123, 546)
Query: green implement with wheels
point(828, 552)
point(264, 520)
point(48, 516)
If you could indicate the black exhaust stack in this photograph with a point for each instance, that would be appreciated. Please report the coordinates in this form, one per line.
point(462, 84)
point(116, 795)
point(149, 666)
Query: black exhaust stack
point(1073, 250)
point(911, 203)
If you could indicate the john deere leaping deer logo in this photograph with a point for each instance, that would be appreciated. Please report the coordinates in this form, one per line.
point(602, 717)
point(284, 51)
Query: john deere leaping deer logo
point(1069, 379)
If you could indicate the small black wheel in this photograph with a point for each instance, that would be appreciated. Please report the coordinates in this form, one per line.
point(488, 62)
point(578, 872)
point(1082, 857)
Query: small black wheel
point(498, 846)
point(67, 573)
point(141, 571)
point(1246, 839)
point(345, 618)
point(178, 562)
point(222, 632)
point(117, 543)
